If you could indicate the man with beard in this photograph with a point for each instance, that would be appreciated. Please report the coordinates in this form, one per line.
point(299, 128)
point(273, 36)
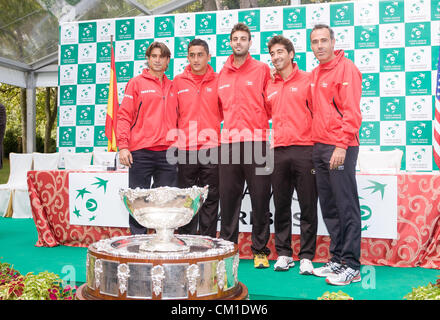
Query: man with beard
point(292, 146)
point(244, 147)
point(146, 114)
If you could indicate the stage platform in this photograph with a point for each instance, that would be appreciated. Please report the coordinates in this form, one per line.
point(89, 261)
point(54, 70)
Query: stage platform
point(17, 247)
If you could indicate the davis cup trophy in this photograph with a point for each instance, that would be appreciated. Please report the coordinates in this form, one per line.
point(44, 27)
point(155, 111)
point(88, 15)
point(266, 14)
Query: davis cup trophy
point(163, 265)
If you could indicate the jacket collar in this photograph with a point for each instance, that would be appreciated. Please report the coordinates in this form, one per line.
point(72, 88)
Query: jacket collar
point(230, 62)
point(339, 54)
point(291, 76)
point(209, 75)
point(146, 74)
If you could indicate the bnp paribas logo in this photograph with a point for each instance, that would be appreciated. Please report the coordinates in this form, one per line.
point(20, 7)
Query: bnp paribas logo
point(367, 211)
point(85, 204)
point(294, 18)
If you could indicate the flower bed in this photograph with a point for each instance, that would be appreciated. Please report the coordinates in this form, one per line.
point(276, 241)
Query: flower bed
point(41, 286)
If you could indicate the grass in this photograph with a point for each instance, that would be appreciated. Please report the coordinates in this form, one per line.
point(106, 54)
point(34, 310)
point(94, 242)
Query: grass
point(4, 172)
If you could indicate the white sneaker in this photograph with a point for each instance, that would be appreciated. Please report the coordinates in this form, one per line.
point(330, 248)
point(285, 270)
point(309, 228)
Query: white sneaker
point(328, 269)
point(305, 267)
point(283, 263)
point(346, 276)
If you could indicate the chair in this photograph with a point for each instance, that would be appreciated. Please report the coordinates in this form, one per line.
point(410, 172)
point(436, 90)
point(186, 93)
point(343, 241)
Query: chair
point(46, 161)
point(77, 161)
point(380, 161)
point(103, 158)
point(14, 196)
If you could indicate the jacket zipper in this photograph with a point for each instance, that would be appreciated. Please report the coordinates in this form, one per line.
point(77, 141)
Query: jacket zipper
point(336, 107)
point(307, 105)
point(137, 115)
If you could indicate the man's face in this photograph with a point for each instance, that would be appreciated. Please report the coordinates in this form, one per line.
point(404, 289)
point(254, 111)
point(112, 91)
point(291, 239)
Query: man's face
point(198, 59)
point(240, 43)
point(322, 46)
point(157, 62)
point(281, 59)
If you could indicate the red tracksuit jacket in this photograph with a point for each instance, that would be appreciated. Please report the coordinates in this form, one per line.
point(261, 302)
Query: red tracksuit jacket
point(241, 93)
point(199, 113)
point(147, 113)
point(336, 90)
point(291, 114)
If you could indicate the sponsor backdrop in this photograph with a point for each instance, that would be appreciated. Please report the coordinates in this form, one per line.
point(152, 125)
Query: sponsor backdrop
point(395, 45)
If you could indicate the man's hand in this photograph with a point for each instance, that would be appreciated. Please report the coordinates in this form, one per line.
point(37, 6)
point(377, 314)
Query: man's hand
point(125, 157)
point(273, 72)
point(338, 158)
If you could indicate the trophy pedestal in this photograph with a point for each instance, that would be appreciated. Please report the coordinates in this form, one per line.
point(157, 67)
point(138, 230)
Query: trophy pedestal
point(119, 269)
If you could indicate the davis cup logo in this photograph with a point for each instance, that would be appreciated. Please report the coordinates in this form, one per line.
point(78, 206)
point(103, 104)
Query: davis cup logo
point(418, 156)
point(391, 131)
point(124, 28)
point(249, 18)
point(293, 16)
point(226, 20)
point(417, 81)
point(417, 31)
point(341, 13)
point(391, 33)
point(366, 82)
point(417, 131)
point(391, 57)
point(391, 9)
point(366, 131)
point(392, 106)
point(366, 11)
point(164, 25)
point(85, 204)
point(417, 106)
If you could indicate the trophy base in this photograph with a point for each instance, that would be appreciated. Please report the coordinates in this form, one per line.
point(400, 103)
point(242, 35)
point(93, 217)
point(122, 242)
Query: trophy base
point(241, 294)
point(118, 269)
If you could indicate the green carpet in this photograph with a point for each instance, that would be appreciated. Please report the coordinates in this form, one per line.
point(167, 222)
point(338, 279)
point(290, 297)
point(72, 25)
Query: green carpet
point(17, 247)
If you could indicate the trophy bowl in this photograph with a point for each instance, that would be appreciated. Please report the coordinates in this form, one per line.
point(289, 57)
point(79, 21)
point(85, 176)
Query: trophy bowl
point(164, 209)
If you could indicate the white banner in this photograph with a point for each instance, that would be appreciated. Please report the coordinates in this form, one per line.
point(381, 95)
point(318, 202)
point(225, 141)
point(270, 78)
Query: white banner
point(378, 203)
point(94, 199)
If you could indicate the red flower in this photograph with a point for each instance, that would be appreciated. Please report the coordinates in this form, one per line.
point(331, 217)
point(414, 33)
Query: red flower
point(52, 296)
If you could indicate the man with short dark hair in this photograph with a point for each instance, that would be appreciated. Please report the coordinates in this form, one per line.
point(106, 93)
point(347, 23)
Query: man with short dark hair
point(335, 91)
point(198, 122)
point(292, 146)
point(244, 147)
point(146, 114)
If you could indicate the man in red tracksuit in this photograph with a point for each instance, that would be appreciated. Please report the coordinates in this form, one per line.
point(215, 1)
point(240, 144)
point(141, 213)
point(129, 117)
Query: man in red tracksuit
point(335, 91)
point(199, 118)
point(244, 148)
point(292, 145)
point(146, 115)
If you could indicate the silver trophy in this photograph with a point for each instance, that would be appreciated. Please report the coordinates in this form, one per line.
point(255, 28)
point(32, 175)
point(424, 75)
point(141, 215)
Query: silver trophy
point(164, 209)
